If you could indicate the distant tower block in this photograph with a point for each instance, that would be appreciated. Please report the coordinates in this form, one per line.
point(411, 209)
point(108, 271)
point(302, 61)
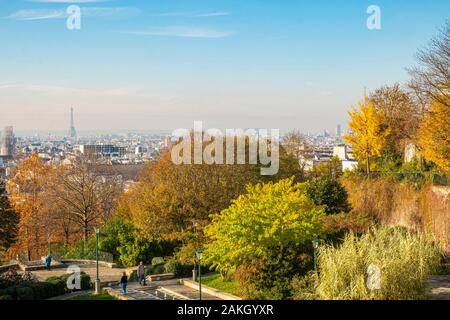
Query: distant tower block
point(339, 131)
point(72, 130)
point(8, 143)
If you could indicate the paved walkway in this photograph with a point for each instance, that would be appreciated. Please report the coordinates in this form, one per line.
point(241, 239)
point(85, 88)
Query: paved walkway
point(161, 290)
point(155, 290)
point(106, 274)
point(440, 287)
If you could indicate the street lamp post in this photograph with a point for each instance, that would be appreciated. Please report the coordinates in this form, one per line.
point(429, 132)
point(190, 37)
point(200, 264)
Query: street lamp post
point(97, 280)
point(194, 270)
point(315, 244)
point(198, 254)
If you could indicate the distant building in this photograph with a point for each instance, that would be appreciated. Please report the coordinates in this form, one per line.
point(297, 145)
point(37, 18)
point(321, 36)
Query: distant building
point(339, 131)
point(347, 160)
point(140, 150)
point(7, 144)
point(72, 131)
point(101, 150)
point(340, 151)
point(309, 164)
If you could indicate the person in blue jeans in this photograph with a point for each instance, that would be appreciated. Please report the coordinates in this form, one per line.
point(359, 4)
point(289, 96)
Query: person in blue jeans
point(123, 283)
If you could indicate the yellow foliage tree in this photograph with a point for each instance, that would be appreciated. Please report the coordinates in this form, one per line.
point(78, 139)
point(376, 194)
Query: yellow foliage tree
point(369, 135)
point(26, 190)
point(434, 135)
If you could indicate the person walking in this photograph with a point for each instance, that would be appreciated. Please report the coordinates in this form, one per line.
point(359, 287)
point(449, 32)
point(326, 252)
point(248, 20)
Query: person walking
point(48, 262)
point(141, 274)
point(123, 283)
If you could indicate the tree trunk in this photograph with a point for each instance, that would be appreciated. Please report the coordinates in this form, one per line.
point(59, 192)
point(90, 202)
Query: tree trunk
point(66, 238)
point(85, 235)
point(368, 165)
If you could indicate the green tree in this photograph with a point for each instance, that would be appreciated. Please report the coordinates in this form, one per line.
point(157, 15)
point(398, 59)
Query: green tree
point(329, 192)
point(121, 239)
point(9, 221)
point(116, 233)
point(269, 217)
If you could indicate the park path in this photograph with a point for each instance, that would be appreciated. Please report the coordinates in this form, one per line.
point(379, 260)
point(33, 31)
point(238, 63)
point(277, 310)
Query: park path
point(161, 290)
point(106, 274)
point(440, 287)
point(155, 290)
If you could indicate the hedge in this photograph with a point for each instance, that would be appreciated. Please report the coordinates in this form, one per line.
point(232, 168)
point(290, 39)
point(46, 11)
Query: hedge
point(52, 287)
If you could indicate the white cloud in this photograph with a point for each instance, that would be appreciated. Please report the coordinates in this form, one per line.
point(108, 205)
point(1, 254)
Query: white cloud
point(184, 32)
point(44, 14)
point(109, 11)
point(69, 1)
point(40, 14)
point(192, 14)
point(212, 14)
point(62, 90)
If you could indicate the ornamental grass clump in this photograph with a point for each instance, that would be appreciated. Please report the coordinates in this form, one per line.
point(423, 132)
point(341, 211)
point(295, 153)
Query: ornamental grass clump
point(384, 264)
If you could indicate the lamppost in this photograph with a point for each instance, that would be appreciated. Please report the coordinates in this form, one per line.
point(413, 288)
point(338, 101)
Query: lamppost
point(97, 280)
point(198, 254)
point(194, 271)
point(315, 244)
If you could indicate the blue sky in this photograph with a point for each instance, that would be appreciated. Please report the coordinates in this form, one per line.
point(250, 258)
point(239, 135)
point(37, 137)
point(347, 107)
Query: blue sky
point(148, 65)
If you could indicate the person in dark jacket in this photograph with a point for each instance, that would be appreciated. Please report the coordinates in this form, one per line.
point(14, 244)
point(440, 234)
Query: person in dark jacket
point(123, 283)
point(48, 262)
point(141, 274)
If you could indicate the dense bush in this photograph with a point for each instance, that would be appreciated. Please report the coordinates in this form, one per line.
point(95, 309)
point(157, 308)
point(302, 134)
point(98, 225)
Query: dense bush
point(405, 260)
point(178, 268)
point(121, 239)
point(133, 276)
point(329, 192)
point(12, 278)
point(16, 287)
point(80, 250)
point(61, 281)
point(270, 279)
point(32, 291)
point(157, 261)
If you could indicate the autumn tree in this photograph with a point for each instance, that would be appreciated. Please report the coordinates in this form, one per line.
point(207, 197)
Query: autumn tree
point(171, 198)
point(27, 191)
point(294, 149)
point(368, 133)
point(431, 77)
point(86, 198)
point(401, 116)
point(9, 221)
point(331, 168)
point(434, 134)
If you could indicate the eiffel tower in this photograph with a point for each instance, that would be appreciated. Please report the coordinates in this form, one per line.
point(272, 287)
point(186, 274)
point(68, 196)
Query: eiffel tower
point(72, 130)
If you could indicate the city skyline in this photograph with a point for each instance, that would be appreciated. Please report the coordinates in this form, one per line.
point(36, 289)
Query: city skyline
point(138, 66)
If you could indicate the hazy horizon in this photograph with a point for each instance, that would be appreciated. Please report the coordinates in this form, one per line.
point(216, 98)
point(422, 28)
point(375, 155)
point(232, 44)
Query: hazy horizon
point(138, 65)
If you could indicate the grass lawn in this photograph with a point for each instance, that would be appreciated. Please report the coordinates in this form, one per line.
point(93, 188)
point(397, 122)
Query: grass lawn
point(102, 296)
point(216, 281)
